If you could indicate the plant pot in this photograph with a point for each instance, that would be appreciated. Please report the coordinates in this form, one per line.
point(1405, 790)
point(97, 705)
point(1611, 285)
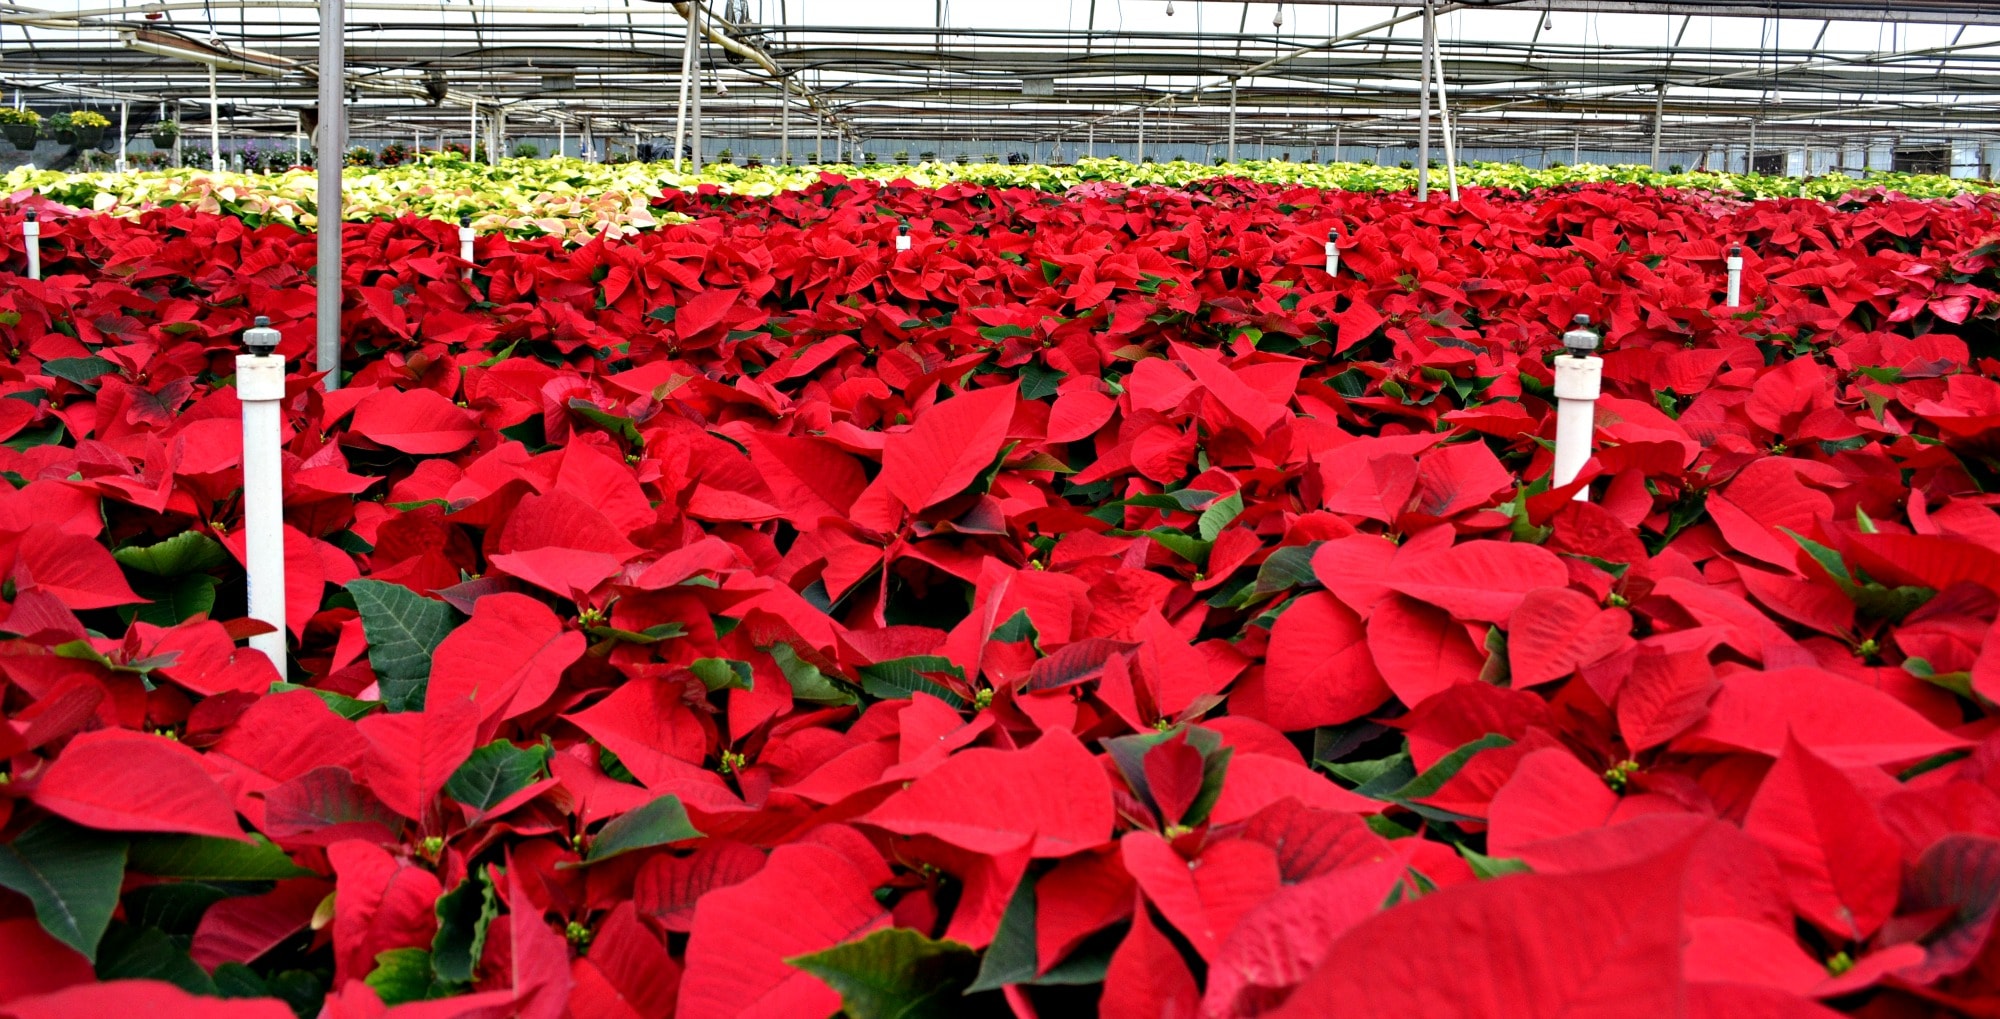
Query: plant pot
point(65, 136)
point(89, 137)
point(164, 140)
point(23, 136)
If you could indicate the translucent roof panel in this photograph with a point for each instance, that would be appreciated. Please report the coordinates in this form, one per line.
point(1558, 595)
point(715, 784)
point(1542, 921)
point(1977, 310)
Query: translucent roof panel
point(1306, 74)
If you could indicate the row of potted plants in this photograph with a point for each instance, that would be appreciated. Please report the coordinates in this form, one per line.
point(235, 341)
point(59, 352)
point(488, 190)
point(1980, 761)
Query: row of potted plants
point(24, 129)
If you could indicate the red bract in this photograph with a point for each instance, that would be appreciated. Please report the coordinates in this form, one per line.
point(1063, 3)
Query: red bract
point(1095, 607)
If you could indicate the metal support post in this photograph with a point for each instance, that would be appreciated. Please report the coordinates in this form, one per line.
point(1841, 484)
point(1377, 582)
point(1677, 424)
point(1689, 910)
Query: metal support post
point(331, 157)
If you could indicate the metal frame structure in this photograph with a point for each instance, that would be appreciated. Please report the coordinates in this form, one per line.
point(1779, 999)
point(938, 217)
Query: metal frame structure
point(1762, 74)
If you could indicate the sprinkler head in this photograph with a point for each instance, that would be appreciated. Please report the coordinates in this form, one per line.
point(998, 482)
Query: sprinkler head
point(1736, 251)
point(261, 339)
point(1580, 340)
point(465, 220)
point(33, 215)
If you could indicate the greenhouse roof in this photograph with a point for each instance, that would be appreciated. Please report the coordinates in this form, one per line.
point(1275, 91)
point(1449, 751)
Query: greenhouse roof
point(1523, 74)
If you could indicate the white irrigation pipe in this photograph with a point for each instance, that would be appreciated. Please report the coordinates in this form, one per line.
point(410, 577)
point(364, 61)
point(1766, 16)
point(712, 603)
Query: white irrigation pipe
point(465, 238)
point(1735, 264)
point(902, 237)
point(260, 385)
point(1579, 378)
point(31, 232)
point(1332, 253)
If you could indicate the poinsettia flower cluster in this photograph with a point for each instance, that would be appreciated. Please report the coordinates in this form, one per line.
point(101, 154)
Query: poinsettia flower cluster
point(1097, 606)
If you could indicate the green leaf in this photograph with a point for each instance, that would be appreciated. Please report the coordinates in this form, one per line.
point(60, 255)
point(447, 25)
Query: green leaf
point(1382, 825)
point(1185, 499)
point(1435, 776)
point(1486, 867)
point(1004, 332)
point(80, 370)
point(722, 673)
point(346, 707)
point(1959, 682)
point(175, 907)
point(148, 953)
point(463, 915)
point(650, 635)
point(895, 973)
point(1400, 784)
point(169, 602)
point(1876, 601)
point(900, 678)
point(235, 980)
point(1017, 628)
point(657, 823)
point(1828, 559)
point(404, 975)
point(1011, 958)
point(807, 681)
point(1128, 753)
point(1039, 381)
point(1363, 772)
point(616, 424)
point(186, 552)
point(495, 772)
point(201, 858)
point(1218, 516)
point(71, 874)
point(403, 629)
point(29, 438)
point(1186, 546)
point(1284, 569)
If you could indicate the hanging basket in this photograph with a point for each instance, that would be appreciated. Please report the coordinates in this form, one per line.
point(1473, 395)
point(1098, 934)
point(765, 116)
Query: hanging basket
point(65, 136)
point(23, 136)
point(88, 137)
point(164, 140)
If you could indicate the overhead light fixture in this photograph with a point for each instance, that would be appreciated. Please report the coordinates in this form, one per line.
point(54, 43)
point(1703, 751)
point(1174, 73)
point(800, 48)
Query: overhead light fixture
point(166, 44)
point(1278, 19)
point(1170, 8)
point(1549, 22)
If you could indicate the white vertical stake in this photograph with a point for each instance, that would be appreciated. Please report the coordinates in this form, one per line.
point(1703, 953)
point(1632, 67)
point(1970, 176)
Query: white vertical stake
point(465, 238)
point(1579, 378)
point(31, 231)
point(1735, 264)
point(260, 385)
point(1332, 253)
point(902, 237)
